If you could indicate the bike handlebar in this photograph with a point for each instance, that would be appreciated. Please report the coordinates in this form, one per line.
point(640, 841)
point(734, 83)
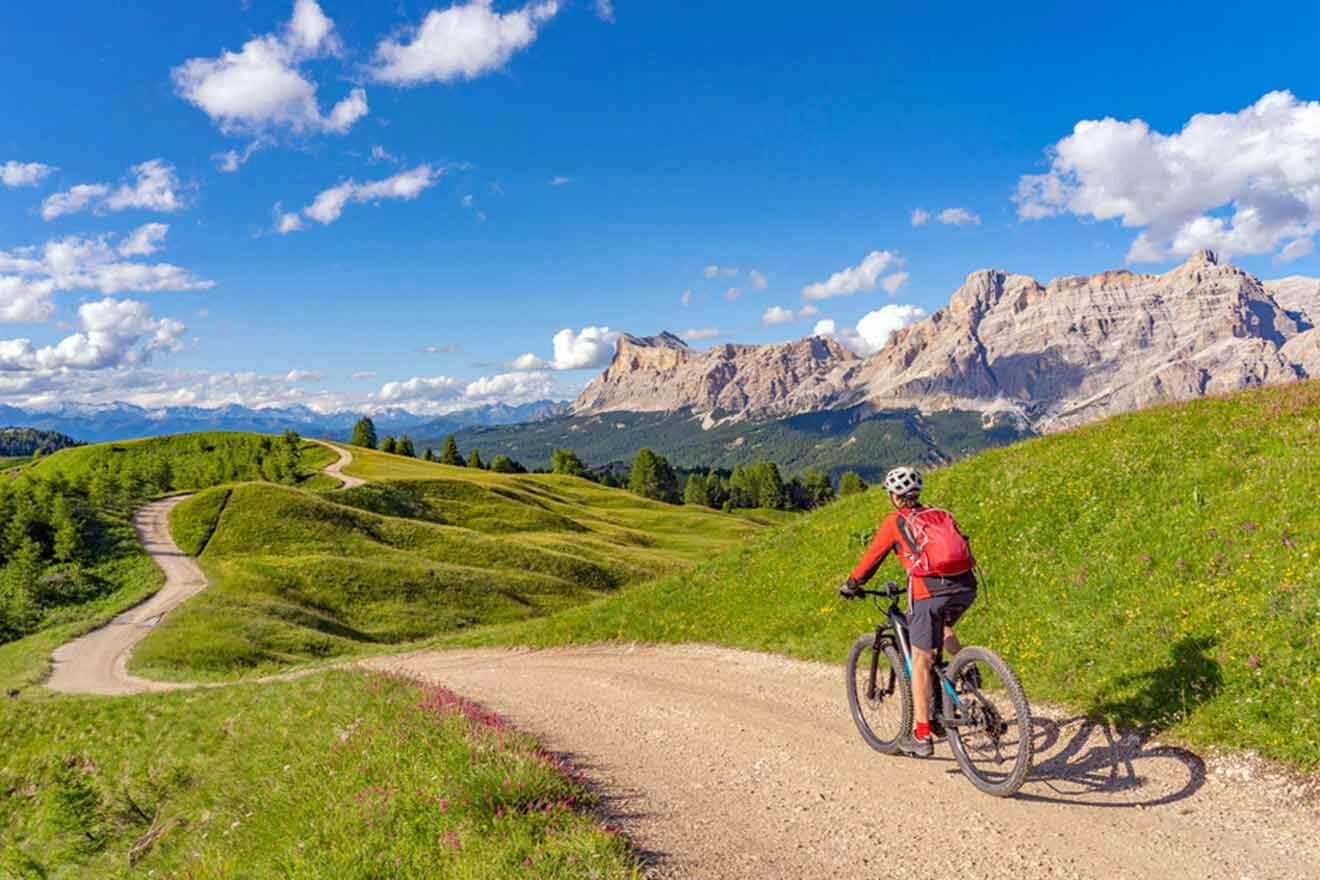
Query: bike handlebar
point(891, 591)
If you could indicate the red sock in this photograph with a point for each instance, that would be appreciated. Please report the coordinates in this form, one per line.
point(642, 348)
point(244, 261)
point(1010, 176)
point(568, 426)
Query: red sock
point(923, 730)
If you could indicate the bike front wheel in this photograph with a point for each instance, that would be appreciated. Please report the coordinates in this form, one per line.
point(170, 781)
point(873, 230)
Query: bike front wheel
point(991, 739)
point(879, 694)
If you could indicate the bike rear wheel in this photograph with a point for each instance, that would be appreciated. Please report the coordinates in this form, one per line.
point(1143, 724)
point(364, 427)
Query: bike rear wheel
point(992, 739)
point(882, 711)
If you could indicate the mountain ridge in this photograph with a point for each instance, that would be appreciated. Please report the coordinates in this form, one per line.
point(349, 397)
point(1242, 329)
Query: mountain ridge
point(1051, 356)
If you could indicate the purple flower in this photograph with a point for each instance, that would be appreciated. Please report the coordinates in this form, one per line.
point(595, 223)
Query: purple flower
point(1253, 661)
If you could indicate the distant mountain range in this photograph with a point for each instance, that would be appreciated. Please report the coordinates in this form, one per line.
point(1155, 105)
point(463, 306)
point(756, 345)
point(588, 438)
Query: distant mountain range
point(98, 423)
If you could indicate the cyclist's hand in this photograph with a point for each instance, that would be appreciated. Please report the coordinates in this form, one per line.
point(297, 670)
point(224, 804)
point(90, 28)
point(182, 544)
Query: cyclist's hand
point(850, 590)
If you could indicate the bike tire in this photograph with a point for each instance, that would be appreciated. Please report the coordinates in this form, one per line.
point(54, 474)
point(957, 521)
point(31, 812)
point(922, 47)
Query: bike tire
point(1007, 781)
point(892, 679)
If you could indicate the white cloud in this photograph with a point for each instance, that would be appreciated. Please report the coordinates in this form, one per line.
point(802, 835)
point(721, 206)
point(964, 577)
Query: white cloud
point(360, 375)
point(303, 376)
point(808, 311)
point(776, 315)
point(418, 388)
point(958, 217)
point(16, 174)
point(699, 333)
point(713, 271)
point(155, 188)
point(873, 330)
point(463, 41)
point(732, 293)
point(144, 241)
point(261, 87)
point(686, 298)
point(511, 388)
point(446, 394)
point(920, 217)
point(77, 198)
point(560, 180)
point(24, 301)
point(231, 160)
point(1239, 183)
point(759, 281)
point(111, 333)
point(74, 263)
point(865, 276)
point(605, 10)
point(380, 154)
point(1295, 250)
point(527, 361)
point(588, 348)
point(329, 204)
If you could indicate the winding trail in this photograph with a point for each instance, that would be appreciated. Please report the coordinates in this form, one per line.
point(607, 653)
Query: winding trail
point(97, 663)
point(731, 764)
point(336, 468)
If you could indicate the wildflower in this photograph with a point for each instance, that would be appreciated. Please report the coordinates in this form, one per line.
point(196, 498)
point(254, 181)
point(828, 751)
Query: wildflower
point(1253, 661)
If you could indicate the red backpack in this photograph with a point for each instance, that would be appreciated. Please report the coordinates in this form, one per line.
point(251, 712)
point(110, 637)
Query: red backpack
point(935, 545)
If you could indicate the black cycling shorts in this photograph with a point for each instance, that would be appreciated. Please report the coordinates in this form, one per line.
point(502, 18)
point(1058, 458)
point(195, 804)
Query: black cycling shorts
point(928, 617)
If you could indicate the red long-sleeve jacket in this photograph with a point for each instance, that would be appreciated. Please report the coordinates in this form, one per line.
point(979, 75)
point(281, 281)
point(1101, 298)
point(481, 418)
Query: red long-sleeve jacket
point(888, 539)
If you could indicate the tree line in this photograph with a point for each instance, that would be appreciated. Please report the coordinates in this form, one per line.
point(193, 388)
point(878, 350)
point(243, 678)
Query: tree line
point(23, 442)
point(364, 435)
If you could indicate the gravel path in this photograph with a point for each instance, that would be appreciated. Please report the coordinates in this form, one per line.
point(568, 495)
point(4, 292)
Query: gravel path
point(729, 764)
point(97, 663)
point(336, 468)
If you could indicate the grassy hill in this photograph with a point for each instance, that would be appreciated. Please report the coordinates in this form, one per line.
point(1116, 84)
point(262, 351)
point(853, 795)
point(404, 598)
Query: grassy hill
point(421, 550)
point(336, 775)
point(857, 439)
point(52, 590)
point(1159, 569)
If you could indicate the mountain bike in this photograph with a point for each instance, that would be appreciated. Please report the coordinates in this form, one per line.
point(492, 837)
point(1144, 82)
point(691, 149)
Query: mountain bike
point(977, 701)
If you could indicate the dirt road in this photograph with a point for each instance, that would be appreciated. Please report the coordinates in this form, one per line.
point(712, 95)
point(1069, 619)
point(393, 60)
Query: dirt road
point(97, 662)
point(336, 468)
point(728, 764)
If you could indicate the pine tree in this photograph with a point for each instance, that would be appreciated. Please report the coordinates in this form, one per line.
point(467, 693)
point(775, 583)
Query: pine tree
point(474, 461)
point(68, 534)
point(364, 433)
point(652, 477)
point(695, 492)
point(430, 454)
point(450, 454)
point(815, 490)
point(406, 447)
point(851, 484)
point(504, 465)
point(566, 461)
point(388, 445)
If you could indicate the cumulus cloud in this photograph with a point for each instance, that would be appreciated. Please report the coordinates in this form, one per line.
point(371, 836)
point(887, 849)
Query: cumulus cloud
point(873, 330)
point(262, 87)
point(776, 315)
point(230, 161)
point(699, 333)
point(511, 388)
point(1239, 183)
point(155, 187)
point(865, 276)
point(111, 333)
point(143, 241)
point(587, 348)
point(463, 41)
point(329, 204)
point(74, 263)
point(1295, 250)
point(808, 311)
point(949, 217)
point(303, 376)
point(714, 271)
point(24, 301)
point(417, 388)
point(445, 394)
point(15, 174)
point(759, 281)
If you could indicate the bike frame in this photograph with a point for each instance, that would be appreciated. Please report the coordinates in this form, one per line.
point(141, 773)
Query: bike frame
point(894, 631)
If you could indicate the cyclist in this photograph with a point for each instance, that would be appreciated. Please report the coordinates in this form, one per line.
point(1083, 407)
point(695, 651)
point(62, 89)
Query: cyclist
point(939, 591)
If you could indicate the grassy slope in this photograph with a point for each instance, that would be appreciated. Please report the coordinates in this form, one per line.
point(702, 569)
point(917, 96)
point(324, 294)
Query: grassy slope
point(1159, 569)
point(341, 775)
point(425, 550)
point(128, 574)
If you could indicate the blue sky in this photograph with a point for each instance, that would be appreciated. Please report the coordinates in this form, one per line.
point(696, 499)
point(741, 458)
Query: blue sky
point(573, 165)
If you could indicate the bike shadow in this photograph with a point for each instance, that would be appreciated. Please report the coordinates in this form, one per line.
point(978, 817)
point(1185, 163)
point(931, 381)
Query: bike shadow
point(1084, 762)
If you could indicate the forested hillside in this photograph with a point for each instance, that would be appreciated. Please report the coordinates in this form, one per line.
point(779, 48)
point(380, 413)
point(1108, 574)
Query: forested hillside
point(27, 442)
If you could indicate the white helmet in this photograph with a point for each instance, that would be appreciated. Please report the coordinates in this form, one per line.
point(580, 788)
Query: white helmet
point(903, 481)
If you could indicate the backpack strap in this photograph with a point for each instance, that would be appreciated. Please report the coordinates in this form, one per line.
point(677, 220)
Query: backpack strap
point(906, 532)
